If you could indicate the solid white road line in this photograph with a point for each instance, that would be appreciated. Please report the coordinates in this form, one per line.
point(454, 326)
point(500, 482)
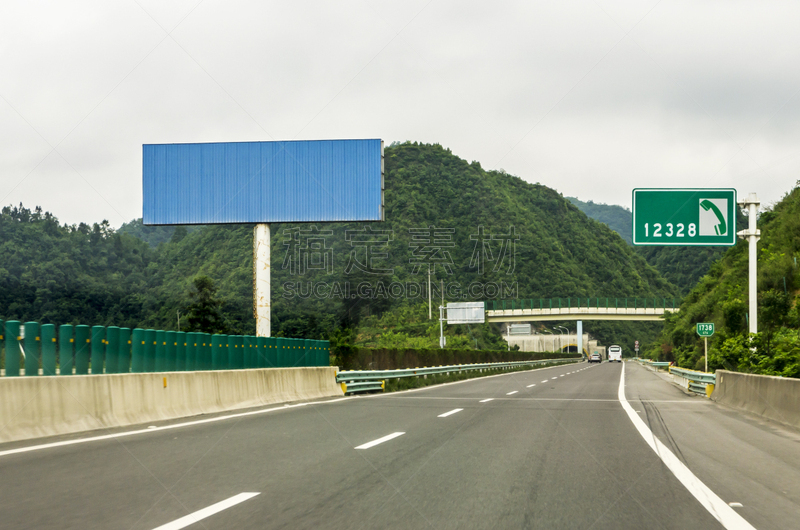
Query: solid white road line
point(199, 515)
point(710, 501)
point(386, 438)
point(530, 385)
point(449, 413)
point(486, 400)
point(512, 392)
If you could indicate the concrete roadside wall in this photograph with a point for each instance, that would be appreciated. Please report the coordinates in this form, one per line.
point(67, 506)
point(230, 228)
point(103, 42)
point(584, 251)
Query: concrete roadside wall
point(32, 407)
point(776, 398)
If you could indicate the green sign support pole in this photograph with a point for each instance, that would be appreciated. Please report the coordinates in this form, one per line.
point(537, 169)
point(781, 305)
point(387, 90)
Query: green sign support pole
point(33, 352)
point(48, 335)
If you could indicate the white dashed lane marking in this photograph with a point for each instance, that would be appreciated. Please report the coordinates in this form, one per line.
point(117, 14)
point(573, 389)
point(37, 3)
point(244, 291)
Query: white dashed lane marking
point(449, 413)
point(486, 400)
point(512, 392)
point(386, 438)
point(199, 515)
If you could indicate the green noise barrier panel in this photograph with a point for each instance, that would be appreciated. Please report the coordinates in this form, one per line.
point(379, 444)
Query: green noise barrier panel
point(112, 350)
point(149, 350)
point(32, 343)
point(283, 352)
point(272, 352)
point(48, 334)
point(207, 352)
point(138, 344)
point(170, 351)
point(180, 351)
point(83, 349)
point(124, 352)
point(250, 351)
point(219, 351)
point(83, 339)
point(13, 351)
point(98, 346)
point(66, 349)
point(161, 351)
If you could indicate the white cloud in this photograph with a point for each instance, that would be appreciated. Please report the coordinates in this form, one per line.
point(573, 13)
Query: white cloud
point(698, 93)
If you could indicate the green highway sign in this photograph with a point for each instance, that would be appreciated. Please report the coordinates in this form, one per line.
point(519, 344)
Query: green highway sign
point(684, 216)
point(705, 329)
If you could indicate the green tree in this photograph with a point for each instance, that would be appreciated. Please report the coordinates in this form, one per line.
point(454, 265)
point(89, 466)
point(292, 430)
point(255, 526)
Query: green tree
point(204, 311)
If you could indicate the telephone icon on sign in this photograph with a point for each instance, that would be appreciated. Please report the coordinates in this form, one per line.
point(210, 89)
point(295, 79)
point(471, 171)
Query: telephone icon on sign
point(721, 227)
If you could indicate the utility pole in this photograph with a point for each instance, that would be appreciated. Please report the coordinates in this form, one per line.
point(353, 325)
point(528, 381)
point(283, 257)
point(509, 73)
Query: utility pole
point(752, 234)
point(430, 315)
point(179, 319)
point(441, 327)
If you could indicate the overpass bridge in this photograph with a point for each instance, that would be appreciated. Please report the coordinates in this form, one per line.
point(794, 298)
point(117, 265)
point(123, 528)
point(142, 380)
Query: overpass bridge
point(557, 309)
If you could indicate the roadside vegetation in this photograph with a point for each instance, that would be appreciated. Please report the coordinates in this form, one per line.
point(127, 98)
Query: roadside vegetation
point(721, 297)
point(523, 240)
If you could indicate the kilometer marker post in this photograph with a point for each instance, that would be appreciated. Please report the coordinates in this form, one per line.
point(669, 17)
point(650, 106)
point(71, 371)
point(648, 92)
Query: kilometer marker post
point(705, 330)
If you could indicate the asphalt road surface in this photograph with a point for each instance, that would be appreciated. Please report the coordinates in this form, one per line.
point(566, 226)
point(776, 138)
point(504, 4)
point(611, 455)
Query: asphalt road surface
point(546, 448)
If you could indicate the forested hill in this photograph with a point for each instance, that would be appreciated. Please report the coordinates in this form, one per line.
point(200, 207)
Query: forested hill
point(721, 297)
point(482, 230)
point(681, 266)
point(616, 217)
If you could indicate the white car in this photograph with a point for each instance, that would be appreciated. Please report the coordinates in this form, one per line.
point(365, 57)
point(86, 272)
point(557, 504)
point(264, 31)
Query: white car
point(595, 358)
point(615, 353)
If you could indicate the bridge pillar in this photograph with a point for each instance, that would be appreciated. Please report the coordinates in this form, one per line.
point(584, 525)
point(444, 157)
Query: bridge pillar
point(579, 332)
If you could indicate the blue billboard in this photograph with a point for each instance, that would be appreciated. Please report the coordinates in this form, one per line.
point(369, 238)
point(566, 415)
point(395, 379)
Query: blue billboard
point(262, 182)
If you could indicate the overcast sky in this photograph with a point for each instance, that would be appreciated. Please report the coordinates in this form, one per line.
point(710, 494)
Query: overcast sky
point(592, 98)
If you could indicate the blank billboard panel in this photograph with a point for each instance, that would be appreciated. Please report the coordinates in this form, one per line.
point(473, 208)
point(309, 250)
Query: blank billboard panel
point(465, 313)
point(263, 182)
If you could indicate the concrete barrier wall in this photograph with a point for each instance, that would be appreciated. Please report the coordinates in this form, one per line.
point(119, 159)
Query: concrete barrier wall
point(776, 398)
point(32, 407)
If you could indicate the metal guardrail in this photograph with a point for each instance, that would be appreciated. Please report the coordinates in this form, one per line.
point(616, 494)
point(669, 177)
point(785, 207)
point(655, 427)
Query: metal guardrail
point(657, 364)
point(367, 380)
point(698, 382)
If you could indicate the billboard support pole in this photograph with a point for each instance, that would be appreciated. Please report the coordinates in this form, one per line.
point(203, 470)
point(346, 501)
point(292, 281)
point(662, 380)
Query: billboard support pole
point(441, 327)
point(752, 235)
point(261, 278)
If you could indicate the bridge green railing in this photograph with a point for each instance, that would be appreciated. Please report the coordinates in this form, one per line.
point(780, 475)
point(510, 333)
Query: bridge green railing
point(577, 302)
point(112, 350)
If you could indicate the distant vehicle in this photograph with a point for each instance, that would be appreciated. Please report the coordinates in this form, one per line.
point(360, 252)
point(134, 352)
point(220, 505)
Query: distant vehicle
point(614, 353)
point(595, 358)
